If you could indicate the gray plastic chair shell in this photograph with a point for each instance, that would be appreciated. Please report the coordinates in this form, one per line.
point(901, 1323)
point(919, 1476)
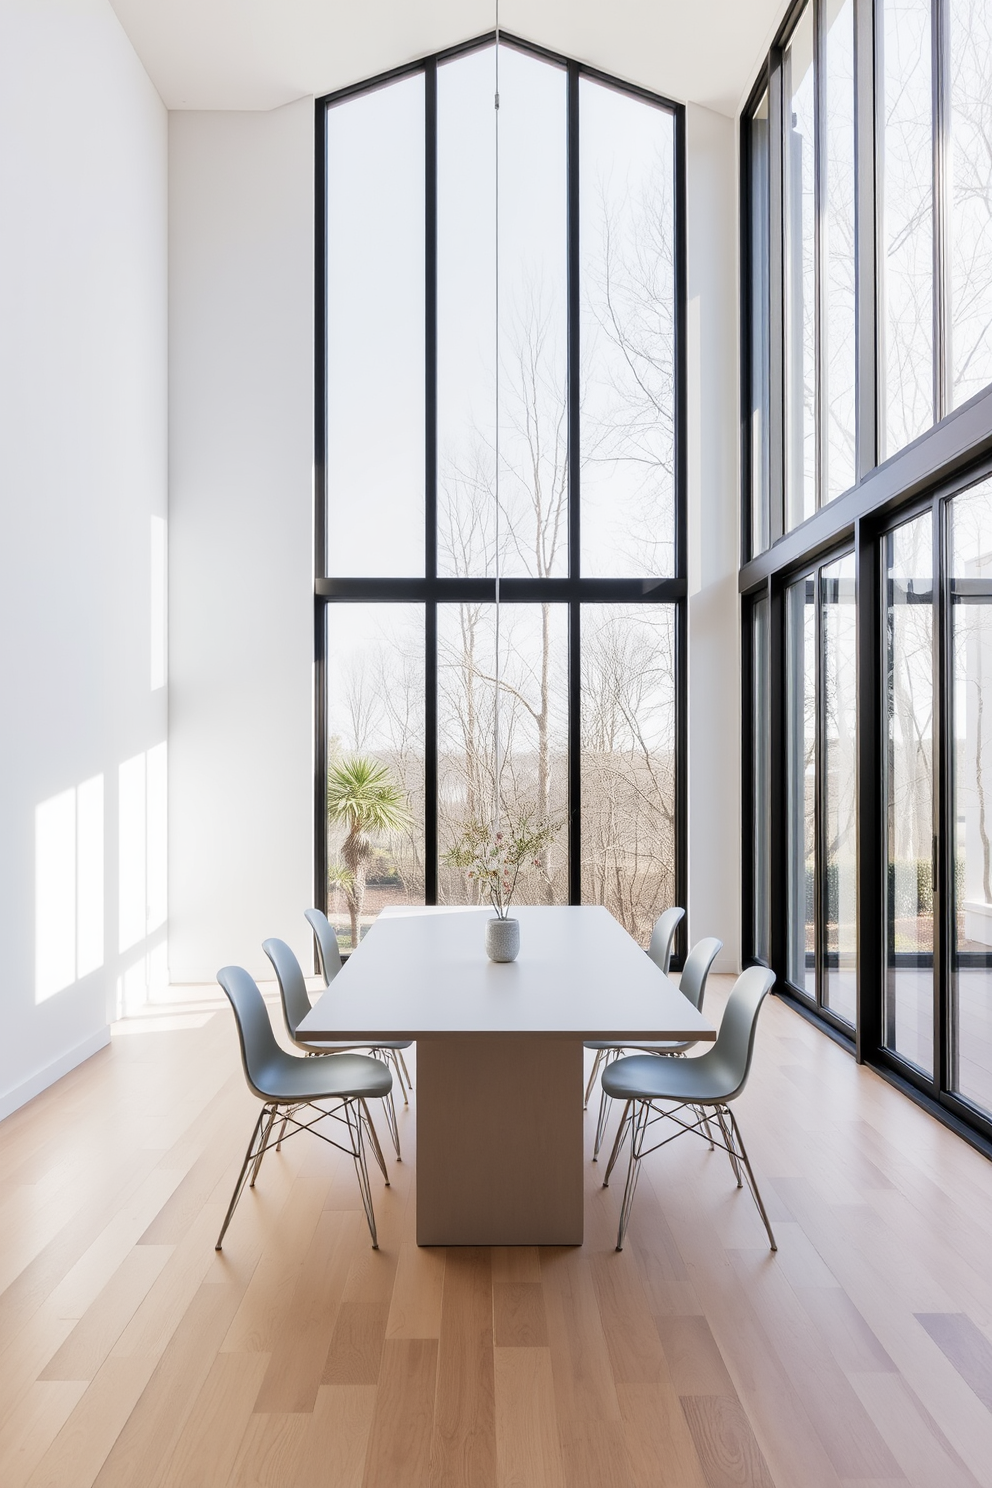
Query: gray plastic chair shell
point(275, 1075)
point(328, 951)
point(715, 1077)
point(663, 937)
point(296, 1003)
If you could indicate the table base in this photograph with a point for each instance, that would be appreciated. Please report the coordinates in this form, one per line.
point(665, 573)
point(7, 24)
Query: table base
point(499, 1141)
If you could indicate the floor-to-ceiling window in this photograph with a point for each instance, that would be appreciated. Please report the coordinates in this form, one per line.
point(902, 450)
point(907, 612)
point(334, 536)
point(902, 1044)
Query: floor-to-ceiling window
point(867, 535)
point(500, 481)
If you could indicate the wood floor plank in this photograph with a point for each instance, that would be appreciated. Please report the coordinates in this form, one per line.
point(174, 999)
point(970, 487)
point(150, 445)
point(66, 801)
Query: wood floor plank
point(356, 1344)
point(660, 1448)
point(299, 1350)
point(463, 1446)
point(206, 1449)
point(270, 1291)
point(528, 1446)
point(518, 1315)
point(141, 1452)
point(580, 1358)
point(29, 1432)
point(694, 1360)
point(102, 1324)
point(399, 1449)
point(77, 1454)
point(336, 1441)
point(966, 1346)
point(415, 1306)
point(922, 1450)
point(725, 1444)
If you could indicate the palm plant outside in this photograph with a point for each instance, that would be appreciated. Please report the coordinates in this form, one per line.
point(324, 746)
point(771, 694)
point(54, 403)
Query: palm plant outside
point(363, 798)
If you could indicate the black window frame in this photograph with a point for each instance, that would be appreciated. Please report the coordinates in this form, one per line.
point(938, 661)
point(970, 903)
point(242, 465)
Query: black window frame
point(573, 591)
point(926, 474)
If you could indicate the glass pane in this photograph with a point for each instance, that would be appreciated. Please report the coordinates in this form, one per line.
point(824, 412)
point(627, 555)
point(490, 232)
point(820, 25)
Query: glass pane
point(799, 190)
point(531, 721)
point(628, 745)
point(839, 775)
point(909, 792)
point(627, 333)
point(837, 231)
point(800, 639)
point(532, 528)
point(375, 332)
point(466, 314)
point(375, 756)
point(970, 257)
point(906, 280)
point(971, 982)
point(760, 764)
point(760, 328)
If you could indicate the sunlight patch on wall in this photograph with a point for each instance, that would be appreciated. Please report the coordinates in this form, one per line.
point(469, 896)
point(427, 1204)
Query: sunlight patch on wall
point(159, 592)
point(68, 887)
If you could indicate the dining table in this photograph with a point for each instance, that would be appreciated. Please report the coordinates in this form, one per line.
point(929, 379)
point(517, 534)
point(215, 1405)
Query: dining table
point(499, 1067)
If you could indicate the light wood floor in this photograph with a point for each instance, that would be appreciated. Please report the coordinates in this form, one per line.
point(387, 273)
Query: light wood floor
point(132, 1355)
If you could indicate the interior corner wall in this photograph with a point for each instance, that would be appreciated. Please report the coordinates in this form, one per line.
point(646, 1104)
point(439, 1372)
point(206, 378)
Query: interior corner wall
point(241, 562)
point(83, 174)
point(714, 680)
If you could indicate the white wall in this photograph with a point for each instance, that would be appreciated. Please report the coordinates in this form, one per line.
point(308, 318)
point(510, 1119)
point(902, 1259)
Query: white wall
point(241, 568)
point(714, 608)
point(83, 145)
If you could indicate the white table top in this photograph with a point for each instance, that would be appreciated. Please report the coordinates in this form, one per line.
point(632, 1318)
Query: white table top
point(422, 973)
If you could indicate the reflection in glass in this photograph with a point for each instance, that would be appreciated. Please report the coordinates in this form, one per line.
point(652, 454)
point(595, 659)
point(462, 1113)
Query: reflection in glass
point(800, 641)
point(970, 198)
point(760, 328)
point(838, 248)
point(533, 475)
point(799, 194)
point(839, 775)
point(760, 765)
point(532, 726)
point(375, 332)
point(627, 247)
point(970, 565)
point(908, 787)
point(906, 280)
point(628, 761)
point(374, 692)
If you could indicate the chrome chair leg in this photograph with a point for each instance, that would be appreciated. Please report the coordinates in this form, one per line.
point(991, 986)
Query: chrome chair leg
point(239, 1186)
point(389, 1106)
point(618, 1143)
point(263, 1148)
point(406, 1072)
point(604, 1111)
point(729, 1143)
point(354, 1121)
point(639, 1123)
point(751, 1180)
point(374, 1139)
point(592, 1078)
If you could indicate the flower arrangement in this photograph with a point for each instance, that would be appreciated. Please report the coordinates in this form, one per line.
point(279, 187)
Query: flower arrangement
point(494, 857)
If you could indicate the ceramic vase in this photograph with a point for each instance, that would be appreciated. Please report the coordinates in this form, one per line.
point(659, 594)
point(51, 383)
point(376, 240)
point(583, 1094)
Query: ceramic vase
point(502, 939)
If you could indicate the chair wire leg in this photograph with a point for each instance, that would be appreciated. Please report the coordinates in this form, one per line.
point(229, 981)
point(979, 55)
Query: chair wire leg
point(374, 1139)
point(263, 1148)
point(389, 1108)
point(354, 1121)
point(406, 1072)
point(605, 1102)
point(592, 1078)
point(701, 1113)
point(751, 1180)
point(721, 1113)
point(239, 1186)
point(394, 1060)
point(622, 1131)
point(638, 1123)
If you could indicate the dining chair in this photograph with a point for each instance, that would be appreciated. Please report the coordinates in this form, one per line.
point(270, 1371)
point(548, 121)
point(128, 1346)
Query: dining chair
point(295, 1001)
point(329, 957)
point(660, 951)
point(692, 985)
point(693, 1088)
point(287, 1086)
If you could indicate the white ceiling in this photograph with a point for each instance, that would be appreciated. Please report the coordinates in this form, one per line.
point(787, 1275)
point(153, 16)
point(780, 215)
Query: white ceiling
point(258, 54)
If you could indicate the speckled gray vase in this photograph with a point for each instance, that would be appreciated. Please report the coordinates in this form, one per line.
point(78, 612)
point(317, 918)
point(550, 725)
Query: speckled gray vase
point(502, 939)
